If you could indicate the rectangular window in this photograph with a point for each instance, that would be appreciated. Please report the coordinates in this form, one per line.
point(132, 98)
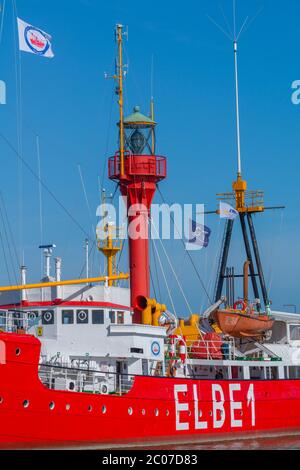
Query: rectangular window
point(67, 317)
point(112, 316)
point(47, 317)
point(82, 316)
point(33, 318)
point(97, 317)
point(295, 332)
point(120, 318)
point(137, 350)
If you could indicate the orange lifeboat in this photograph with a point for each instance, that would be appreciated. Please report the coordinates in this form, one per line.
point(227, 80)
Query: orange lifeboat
point(243, 322)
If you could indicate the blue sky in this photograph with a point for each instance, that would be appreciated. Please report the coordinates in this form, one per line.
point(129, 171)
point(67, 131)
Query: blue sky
point(73, 109)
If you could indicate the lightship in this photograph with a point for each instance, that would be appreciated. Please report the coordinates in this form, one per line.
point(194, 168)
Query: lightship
point(86, 362)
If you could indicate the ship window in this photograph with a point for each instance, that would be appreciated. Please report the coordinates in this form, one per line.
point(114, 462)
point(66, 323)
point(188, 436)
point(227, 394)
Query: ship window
point(112, 316)
point(33, 317)
point(82, 316)
point(48, 317)
point(97, 317)
point(120, 318)
point(67, 317)
point(295, 332)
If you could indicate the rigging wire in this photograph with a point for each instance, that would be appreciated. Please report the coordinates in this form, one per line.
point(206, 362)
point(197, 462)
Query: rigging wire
point(9, 247)
point(11, 235)
point(155, 266)
point(67, 212)
point(86, 199)
point(5, 257)
point(271, 270)
point(165, 279)
point(2, 21)
point(187, 252)
point(40, 198)
point(19, 121)
point(172, 268)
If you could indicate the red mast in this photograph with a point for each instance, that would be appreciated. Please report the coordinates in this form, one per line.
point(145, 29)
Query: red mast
point(138, 170)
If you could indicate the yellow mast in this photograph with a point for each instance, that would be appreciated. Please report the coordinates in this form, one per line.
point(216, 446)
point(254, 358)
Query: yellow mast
point(109, 243)
point(71, 282)
point(119, 77)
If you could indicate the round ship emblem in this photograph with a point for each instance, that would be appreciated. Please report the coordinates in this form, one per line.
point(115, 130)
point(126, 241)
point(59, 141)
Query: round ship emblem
point(36, 40)
point(155, 348)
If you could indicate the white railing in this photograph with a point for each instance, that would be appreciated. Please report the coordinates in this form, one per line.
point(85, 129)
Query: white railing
point(12, 321)
point(202, 349)
point(218, 350)
point(80, 380)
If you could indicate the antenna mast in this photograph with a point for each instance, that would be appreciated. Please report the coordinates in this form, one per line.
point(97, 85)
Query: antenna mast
point(238, 132)
point(119, 91)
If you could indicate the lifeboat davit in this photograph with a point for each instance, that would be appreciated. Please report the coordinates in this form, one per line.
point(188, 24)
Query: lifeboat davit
point(244, 322)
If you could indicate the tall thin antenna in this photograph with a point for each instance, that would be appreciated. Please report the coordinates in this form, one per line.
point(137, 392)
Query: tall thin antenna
point(40, 198)
point(238, 131)
point(234, 37)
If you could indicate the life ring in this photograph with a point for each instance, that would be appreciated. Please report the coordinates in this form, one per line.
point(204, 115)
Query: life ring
point(172, 346)
point(182, 350)
point(241, 303)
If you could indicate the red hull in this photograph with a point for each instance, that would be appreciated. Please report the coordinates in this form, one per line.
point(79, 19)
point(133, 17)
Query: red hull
point(248, 407)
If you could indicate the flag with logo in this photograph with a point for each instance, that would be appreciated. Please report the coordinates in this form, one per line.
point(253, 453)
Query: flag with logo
point(227, 211)
point(34, 40)
point(198, 236)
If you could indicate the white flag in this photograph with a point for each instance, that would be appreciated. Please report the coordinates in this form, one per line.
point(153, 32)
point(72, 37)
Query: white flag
point(227, 211)
point(34, 40)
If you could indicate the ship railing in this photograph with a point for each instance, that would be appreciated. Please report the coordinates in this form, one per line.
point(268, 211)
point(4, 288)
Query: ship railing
point(85, 380)
point(14, 321)
point(211, 349)
point(138, 165)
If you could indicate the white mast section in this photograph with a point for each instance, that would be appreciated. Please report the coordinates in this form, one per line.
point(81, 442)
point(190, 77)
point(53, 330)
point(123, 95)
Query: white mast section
point(238, 131)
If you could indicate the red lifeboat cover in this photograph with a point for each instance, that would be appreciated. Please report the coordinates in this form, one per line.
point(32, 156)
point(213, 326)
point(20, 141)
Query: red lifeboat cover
point(209, 347)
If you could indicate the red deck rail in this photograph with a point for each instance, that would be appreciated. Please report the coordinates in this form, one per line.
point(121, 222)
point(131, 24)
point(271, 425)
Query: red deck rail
point(138, 165)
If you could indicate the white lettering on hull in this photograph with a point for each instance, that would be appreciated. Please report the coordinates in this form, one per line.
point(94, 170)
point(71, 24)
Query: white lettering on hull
point(198, 424)
point(179, 407)
point(235, 406)
point(251, 399)
point(218, 400)
point(218, 406)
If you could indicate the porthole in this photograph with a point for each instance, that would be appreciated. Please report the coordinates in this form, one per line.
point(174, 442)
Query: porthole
point(167, 413)
point(210, 413)
point(18, 352)
point(1, 400)
point(68, 407)
point(25, 403)
point(130, 411)
point(156, 412)
point(52, 405)
point(143, 412)
point(90, 408)
point(104, 409)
